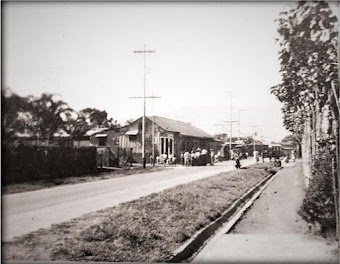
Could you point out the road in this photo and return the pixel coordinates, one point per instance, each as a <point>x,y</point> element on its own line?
<point>30,211</point>
<point>272,231</point>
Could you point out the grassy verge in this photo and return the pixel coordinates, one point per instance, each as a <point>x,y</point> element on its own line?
<point>49,183</point>
<point>149,229</point>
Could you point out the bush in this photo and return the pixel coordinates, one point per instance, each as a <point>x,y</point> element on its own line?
<point>318,204</point>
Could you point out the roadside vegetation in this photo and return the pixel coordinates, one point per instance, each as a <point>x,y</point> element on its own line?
<point>50,183</point>
<point>309,91</point>
<point>149,229</point>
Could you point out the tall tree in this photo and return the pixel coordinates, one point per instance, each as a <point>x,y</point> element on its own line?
<point>308,39</point>
<point>308,55</point>
<point>96,118</point>
<point>49,113</point>
<point>15,114</point>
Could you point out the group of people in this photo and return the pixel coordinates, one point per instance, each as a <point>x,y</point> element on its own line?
<point>165,159</point>
<point>198,157</point>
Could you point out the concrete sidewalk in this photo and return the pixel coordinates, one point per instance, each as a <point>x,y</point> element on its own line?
<point>272,231</point>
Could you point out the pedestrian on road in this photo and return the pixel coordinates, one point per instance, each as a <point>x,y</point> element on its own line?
<point>237,162</point>
<point>182,158</point>
<point>165,158</point>
<point>256,156</point>
<point>212,155</point>
<point>192,158</point>
<point>197,157</point>
<point>204,157</point>
<point>187,158</point>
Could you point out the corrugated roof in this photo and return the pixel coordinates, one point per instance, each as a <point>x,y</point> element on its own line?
<point>183,128</point>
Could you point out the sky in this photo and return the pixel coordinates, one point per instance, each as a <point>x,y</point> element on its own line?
<point>203,51</point>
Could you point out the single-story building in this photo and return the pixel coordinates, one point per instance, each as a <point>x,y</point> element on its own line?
<point>169,137</point>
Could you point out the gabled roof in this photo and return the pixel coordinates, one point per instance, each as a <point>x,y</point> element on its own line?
<point>183,128</point>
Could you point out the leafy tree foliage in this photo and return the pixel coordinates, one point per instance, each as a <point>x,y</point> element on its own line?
<point>14,114</point>
<point>308,54</point>
<point>48,113</point>
<point>96,118</point>
<point>44,116</point>
<point>308,41</point>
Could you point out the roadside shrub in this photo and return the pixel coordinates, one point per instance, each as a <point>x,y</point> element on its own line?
<point>318,204</point>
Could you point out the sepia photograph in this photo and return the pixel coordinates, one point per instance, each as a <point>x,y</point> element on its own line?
<point>170,131</point>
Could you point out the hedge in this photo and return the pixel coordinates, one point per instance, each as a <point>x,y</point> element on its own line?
<point>318,205</point>
<point>29,163</point>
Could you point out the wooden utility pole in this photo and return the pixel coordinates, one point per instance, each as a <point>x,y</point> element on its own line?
<point>230,94</point>
<point>254,137</point>
<point>153,124</point>
<point>239,122</point>
<point>144,51</point>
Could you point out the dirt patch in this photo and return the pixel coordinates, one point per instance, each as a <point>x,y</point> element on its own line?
<point>148,229</point>
<point>45,184</point>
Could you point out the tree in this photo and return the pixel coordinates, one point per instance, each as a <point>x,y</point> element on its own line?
<point>15,112</point>
<point>308,41</point>
<point>89,118</point>
<point>129,122</point>
<point>48,114</point>
<point>97,118</point>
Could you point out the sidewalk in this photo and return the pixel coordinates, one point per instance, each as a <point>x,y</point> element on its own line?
<point>272,231</point>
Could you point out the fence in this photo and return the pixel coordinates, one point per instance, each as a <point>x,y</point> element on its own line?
<point>29,163</point>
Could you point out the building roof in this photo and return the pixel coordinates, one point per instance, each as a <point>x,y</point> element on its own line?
<point>91,132</point>
<point>185,129</point>
<point>132,132</point>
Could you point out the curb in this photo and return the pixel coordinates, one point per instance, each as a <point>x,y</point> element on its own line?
<point>189,248</point>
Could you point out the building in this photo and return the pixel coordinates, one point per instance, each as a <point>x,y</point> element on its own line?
<point>168,136</point>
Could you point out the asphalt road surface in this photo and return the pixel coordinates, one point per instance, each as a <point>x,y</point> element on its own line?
<point>30,211</point>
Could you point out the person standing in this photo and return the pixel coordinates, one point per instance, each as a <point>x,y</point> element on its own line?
<point>186,158</point>
<point>256,156</point>
<point>182,158</point>
<point>192,158</point>
<point>212,157</point>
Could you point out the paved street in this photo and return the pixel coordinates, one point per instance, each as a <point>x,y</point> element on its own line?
<point>30,211</point>
<point>272,231</point>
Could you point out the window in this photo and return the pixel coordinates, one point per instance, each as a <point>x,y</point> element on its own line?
<point>102,141</point>
<point>132,137</point>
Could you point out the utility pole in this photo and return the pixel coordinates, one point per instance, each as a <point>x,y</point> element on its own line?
<point>254,137</point>
<point>143,130</point>
<point>230,94</point>
<point>144,51</point>
<point>239,122</point>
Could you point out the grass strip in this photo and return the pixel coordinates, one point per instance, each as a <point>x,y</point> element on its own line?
<point>149,229</point>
